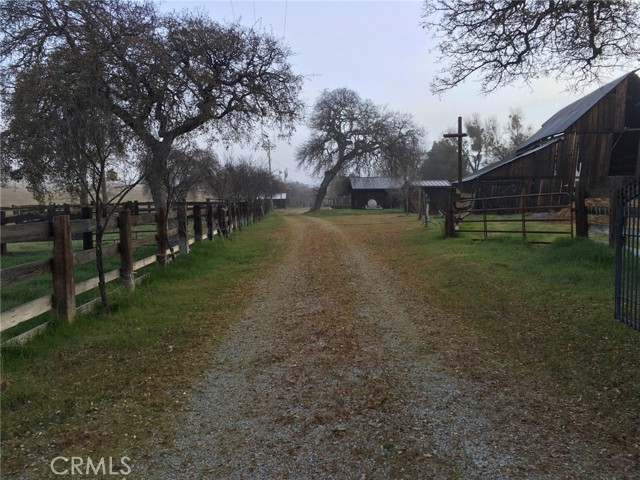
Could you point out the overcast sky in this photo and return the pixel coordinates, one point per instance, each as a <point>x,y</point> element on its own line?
<point>378,49</point>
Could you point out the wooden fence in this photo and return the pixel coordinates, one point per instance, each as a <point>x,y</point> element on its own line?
<point>170,237</point>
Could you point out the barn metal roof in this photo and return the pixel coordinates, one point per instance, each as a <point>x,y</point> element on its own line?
<point>570,114</point>
<point>430,183</point>
<point>375,183</point>
<point>493,166</point>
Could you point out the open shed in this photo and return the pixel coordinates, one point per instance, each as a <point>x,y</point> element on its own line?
<point>436,190</point>
<point>386,191</point>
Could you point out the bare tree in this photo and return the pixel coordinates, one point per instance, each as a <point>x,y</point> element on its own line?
<point>441,161</point>
<point>166,77</point>
<point>61,133</point>
<point>503,41</point>
<point>349,133</point>
<point>242,179</point>
<point>491,141</point>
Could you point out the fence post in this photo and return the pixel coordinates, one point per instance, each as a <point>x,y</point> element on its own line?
<point>87,237</point>
<point>523,210</point>
<point>582,221</point>
<point>183,235</point>
<point>222,228</point>
<point>162,240</point>
<point>126,250</point>
<point>197,222</point>
<point>449,219</point>
<point>210,221</point>
<point>3,221</point>
<point>64,293</point>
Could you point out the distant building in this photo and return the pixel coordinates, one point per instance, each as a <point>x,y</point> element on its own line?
<point>279,200</point>
<point>387,192</point>
<point>437,192</point>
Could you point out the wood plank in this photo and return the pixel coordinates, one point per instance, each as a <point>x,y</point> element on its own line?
<point>24,312</point>
<point>87,307</point>
<point>144,262</point>
<point>26,232</point>
<point>146,240</point>
<point>88,256</point>
<point>83,226</point>
<point>143,219</point>
<point>93,282</point>
<point>24,272</point>
<point>28,335</point>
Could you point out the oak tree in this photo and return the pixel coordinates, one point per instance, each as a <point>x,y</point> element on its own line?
<point>166,76</point>
<point>507,41</point>
<point>351,134</point>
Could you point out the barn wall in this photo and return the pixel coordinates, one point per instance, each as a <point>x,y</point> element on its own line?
<point>360,198</point>
<point>601,147</point>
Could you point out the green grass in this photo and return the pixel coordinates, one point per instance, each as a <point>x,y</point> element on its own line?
<point>548,308</point>
<point>331,212</point>
<point>84,386</point>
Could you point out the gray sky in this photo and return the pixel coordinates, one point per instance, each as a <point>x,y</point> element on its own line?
<point>378,49</point>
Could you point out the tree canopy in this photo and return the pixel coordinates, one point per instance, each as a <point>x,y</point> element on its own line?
<point>165,76</point>
<point>349,133</point>
<point>503,41</point>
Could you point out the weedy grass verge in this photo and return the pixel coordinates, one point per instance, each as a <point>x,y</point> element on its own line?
<point>106,384</point>
<point>522,316</point>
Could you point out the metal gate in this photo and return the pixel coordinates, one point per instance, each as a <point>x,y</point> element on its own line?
<point>627,287</point>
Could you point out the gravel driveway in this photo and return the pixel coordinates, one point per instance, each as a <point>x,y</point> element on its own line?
<point>328,374</point>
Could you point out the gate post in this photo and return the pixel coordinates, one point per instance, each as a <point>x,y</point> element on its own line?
<point>582,222</point>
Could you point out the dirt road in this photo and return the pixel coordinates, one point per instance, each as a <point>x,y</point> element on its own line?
<point>328,374</point>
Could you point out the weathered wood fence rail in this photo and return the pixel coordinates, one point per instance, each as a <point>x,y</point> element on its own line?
<point>171,236</point>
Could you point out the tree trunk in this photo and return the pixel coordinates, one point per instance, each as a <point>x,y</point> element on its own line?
<point>160,152</point>
<point>322,190</point>
<point>154,169</point>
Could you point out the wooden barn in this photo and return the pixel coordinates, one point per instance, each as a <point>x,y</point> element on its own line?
<point>436,190</point>
<point>387,192</point>
<point>594,141</point>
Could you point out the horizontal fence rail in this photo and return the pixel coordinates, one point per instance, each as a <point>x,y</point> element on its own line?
<point>189,223</point>
<point>522,211</point>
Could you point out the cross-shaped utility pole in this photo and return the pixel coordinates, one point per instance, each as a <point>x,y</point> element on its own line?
<point>459,136</point>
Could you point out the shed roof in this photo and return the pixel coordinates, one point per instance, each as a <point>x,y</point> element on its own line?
<point>279,196</point>
<point>493,166</point>
<point>430,183</point>
<point>570,114</point>
<point>375,183</point>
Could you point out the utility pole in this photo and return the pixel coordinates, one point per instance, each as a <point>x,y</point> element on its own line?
<point>459,136</point>
<point>267,146</point>
<point>450,219</point>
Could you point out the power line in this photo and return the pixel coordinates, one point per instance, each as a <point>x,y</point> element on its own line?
<point>284,31</point>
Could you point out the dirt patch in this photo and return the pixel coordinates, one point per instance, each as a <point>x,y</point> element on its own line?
<point>331,372</point>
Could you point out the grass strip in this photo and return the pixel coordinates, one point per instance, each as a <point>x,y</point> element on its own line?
<point>106,384</point>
